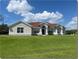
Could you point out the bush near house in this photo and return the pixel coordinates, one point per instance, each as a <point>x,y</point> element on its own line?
<point>35,47</point>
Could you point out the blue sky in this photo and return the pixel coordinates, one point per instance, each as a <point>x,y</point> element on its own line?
<point>68,8</point>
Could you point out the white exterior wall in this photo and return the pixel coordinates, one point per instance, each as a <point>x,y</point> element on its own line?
<point>27,30</point>
<point>46,30</point>
<point>40,32</point>
<point>62,31</point>
<point>55,32</point>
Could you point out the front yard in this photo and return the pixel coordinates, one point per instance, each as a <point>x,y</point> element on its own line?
<point>38,47</point>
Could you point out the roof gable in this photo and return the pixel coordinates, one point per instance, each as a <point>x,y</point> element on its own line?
<point>19,23</point>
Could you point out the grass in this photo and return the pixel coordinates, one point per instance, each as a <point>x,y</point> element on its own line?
<point>38,46</point>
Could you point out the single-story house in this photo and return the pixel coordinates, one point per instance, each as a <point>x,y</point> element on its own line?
<point>35,28</point>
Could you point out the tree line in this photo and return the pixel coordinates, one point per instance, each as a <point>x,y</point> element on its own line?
<point>4,29</point>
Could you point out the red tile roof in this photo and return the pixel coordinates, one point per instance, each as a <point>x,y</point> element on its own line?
<point>38,24</point>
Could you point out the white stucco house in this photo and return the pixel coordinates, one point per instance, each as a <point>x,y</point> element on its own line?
<point>35,28</point>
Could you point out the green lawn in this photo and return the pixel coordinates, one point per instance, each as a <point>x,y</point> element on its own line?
<point>38,46</point>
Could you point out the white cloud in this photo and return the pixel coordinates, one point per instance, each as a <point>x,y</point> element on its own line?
<point>50,17</point>
<point>19,6</point>
<point>72,24</point>
<point>55,17</point>
<point>24,8</point>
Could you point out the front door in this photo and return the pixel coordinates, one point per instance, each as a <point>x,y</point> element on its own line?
<point>43,30</point>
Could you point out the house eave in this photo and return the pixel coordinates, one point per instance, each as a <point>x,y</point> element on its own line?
<point>18,23</point>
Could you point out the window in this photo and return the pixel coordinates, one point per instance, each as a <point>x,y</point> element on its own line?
<point>20,30</point>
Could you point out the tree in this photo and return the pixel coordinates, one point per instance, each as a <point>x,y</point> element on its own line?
<point>71,32</point>
<point>3,27</point>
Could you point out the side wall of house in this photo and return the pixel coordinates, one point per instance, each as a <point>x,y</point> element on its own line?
<point>59,31</point>
<point>27,30</point>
